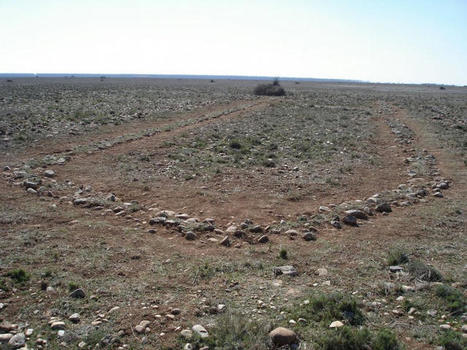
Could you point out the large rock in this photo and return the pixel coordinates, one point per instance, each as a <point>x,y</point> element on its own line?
<point>285,270</point>
<point>283,336</point>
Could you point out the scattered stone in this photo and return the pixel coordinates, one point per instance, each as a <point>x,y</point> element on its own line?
<point>445,327</point>
<point>383,208</point>
<point>186,333</point>
<point>190,236</point>
<point>188,346</point>
<point>200,330</point>
<point>158,220</point>
<point>80,201</point>
<point>7,326</point>
<point>256,229</point>
<point>5,337</point>
<point>283,336</point>
<point>263,239</point>
<point>395,269</point>
<point>78,294</point>
<point>336,324</point>
<point>29,332</point>
<point>31,190</point>
<point>291,233</point>
<point>309,236</point>
<point>81,344</point>
<point>443,185</point>
<point>438,195</point>
<point>75,318</point>
<point>350,220</point>
<point>464,328</point>
<point>61,333</point>
<point>49,173</point>
<point>321,272</point>
<point>336,224</point>
<point>407,289</point>
<point>431,313</point>
<point>51,290</point>
<point>285,270</point>
<point>323,208</point>
<point>142,326</point>
<point>17,341</point>
<point>57,325</point>
<point>225,241</point>
<point>231,229</point>
<point>359,214</point>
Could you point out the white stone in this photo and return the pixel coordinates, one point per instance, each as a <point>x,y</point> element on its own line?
<point>336,324</point>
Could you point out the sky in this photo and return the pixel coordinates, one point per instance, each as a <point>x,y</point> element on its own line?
<point>410,41</point>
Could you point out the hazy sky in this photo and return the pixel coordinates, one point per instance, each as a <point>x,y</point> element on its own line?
<point>376,40</point>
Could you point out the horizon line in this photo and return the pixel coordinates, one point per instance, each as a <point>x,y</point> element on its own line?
<point>206,77</point>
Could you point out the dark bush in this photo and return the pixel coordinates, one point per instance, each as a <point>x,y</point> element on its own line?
<point>348,338</point>
<point>451,340</point>
<point>454,299</point>
<point>273,89</point>
<point>326,308</point>
<point>283,254</point>
<point>345,338</point>
<point>397,256</point>
<point>18,276</point>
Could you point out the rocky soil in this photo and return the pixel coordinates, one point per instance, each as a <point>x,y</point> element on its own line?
<point>169,214</point>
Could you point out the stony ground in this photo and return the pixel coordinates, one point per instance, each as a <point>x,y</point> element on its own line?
<point>148,214</point>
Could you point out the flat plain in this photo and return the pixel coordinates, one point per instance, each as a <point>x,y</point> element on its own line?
<point>132,210</point>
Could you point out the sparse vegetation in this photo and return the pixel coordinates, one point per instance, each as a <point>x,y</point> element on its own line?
<point>19,276</point>
<point>283,254</point>
<point>328,308</point>
<point>137,164</point>
<point>424,272</point>
<point>397,256</point>
<point>454,299</point>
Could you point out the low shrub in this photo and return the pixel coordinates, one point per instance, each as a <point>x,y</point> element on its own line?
<point>234,331</point>
<point>451,340</point>
<point>18,276</point>
<point>72,286</point>
<point>397,256</point>
<point>386,340</point>
<point>348,338</point>
<point>283,254</point>
<point>424,272</point>
<point>453,298</point>
<point>345,338</point>
<point>330,307</point>
<point>273,89</point>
